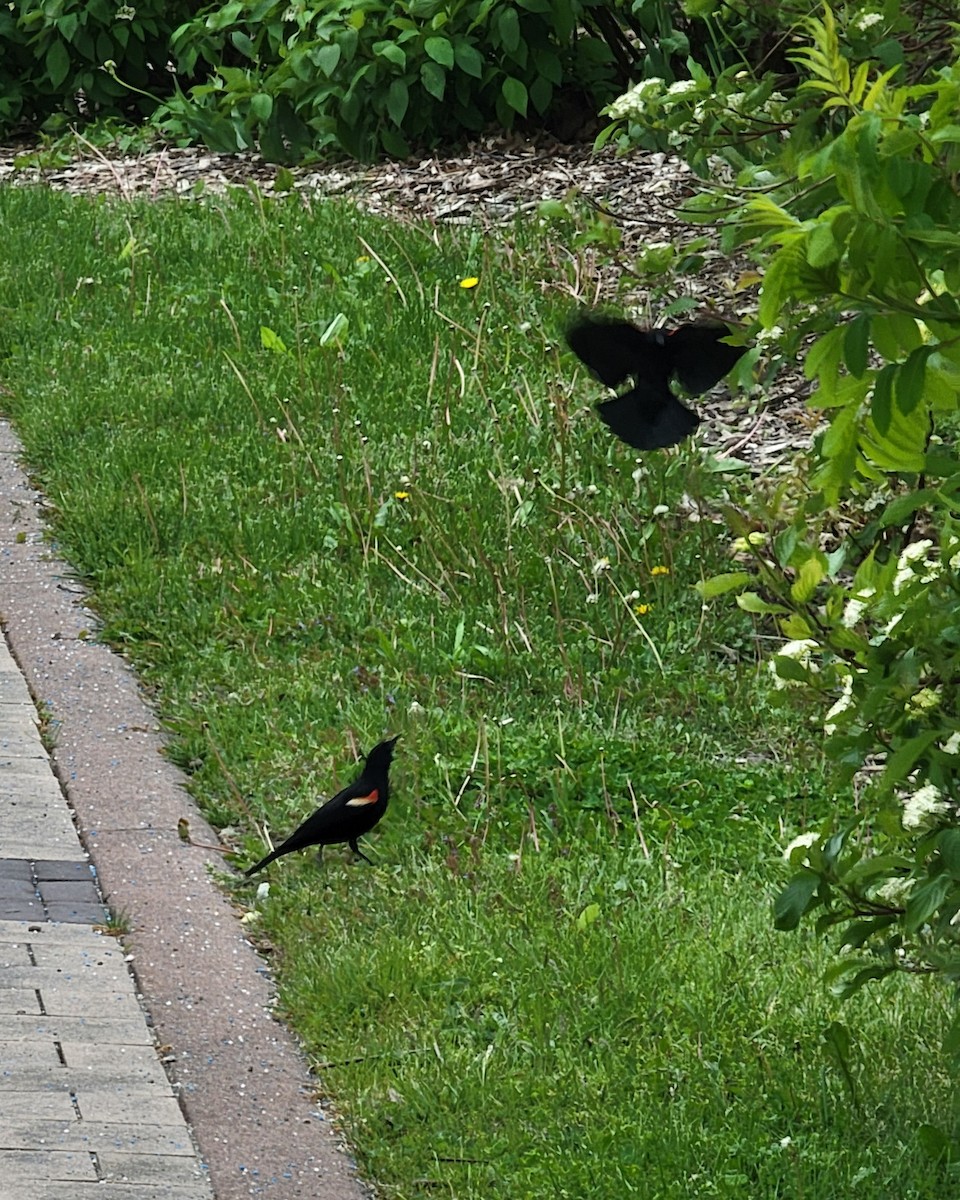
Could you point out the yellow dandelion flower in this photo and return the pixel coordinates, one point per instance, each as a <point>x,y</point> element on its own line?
<point>642,609</point>
<point>661,570</point>
<point>362,258</point>
<point>471,281</point>
<point>401,495</point>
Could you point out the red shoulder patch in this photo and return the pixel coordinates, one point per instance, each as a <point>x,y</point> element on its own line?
<point>360,801</point>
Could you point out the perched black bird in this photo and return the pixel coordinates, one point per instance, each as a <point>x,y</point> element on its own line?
<point>349,815</point>
<point>649,416</point>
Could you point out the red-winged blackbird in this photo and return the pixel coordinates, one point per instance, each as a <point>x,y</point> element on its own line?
<point>649,416</point>
<point>349,815</point>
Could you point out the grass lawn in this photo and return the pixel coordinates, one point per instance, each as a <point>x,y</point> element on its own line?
<point>323,493</point>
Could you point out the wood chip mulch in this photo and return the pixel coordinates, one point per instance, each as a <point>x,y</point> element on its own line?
<point>490,183</point>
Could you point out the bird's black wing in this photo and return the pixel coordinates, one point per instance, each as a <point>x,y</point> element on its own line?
<point>614,349</point>
<point>648,417</point>
<point>698,357</point>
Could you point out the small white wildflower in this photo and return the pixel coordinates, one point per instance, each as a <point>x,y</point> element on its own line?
<point>867,20</point>
<point>263,891</point>
<point>892,624</point>
<point>926,700</point>
<point>682,87</point>
<point>914,551</point>
<point>952,744</point>
<point>804,840</point>
<point>601,565</point>
<point>591,489</point>
<point>895,891</point>
<point>593,598</point>
<point>660,510</point>
<point>853,612</point>
<point>925,808</point>
<point>799,650</point>
<point>637,475</point>
<point>631,596</point>
<point>773,334</point>
<point>785,1142</point>
<point>840,706</point>
<point>248,918</point>
<point>415,709</point>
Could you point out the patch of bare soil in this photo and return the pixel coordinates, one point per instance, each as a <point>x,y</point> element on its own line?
<point>491,183</point>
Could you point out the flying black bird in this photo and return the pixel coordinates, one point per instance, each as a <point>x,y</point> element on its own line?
<point>649,416</point>
<point>349,815</point>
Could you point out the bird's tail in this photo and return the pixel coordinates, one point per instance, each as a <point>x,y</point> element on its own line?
<point>264,862</point>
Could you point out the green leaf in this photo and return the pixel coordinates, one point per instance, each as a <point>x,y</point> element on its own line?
<point>948,843</point>
<point>271,341</point>
<point>902,761</point>
<point>856,344</point>
<point>335,330</point>
<point>809,577</point>
<point>57,63</point>
<point>881,403</point>
<point>398,98</point>
<point>752,603</point>
<point>327,58</point>
<point>508,28</point>
<point>849,975</point>
<point>440,50</point>
<point>924,901</point>
<point>910,377</point>
<point>795,900</point>
<point>716,585</point>
<point>821,247</point>
<point>588,916</point>
<point>434,79</point>
<point>515,94</point>
<point>261,105</point>
<point>392,53</point>
<point>468,58</point>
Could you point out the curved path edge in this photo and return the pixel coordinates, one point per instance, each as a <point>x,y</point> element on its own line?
<point>243,1083</point>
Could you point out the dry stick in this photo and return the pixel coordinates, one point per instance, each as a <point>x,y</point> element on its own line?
<point>386,270</point>
<point>138,484</point>
<point>97,153</point>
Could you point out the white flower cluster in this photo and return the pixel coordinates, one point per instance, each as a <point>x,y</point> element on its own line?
<point>804,841</point>
<point>841,705</point>
<point>800,651</point>
<point>925,809</point>
<point>632,103</point>
<point>916,558</point>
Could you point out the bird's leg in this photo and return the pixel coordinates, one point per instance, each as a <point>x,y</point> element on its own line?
<point>356,849</point>
<point>320,857</point>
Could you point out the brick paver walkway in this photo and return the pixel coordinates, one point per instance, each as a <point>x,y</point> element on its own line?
<point>86,1108</point>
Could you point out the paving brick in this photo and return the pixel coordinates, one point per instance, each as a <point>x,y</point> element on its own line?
<point>17,1000</point>
<point>15,868</point>
<point>115,1191</point>
<point>52,935</point>
<point>13,954</point>
<point>70,891</point>
<point>16,889</point>
<point>27,1056</point>
<point>72,1000</point>
<point>25,1133</point>
<point>45,1106</point>
<point>82,914</point>
<point>22,909</point>
<point>23,1168</point>
<point>104,953</point>
<point>127,1062</point>
<point>117,1103</point>
<point>63,871</point>
<point>120,1167</point>
<point>102,1031</point>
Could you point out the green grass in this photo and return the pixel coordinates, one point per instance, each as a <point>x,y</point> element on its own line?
<point>560,978</point>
